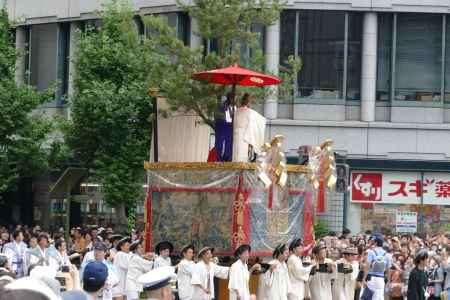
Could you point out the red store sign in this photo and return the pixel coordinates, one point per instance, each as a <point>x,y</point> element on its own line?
<point>400,187</point>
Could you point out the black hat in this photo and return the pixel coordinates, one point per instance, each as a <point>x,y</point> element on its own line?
<point>163,246</point>
<point>241,249</point>
<point>279,250</point>
<point>116,237</point>
<point>318,247</point>
<point>203,251</point>
<point>135,245</point>
<point>122,242</point>
<point>100,246</point>
<point>295,243</point>
<point>350,251</point>
<point>186,248</point>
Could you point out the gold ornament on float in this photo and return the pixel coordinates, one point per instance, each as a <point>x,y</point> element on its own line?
<point>271,167</point>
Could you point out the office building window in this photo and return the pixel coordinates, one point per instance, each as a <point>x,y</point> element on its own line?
<point>354,50</point>
<point>43,55</point>
<point>63,62</point>
<point>180,22</point>
<point>384,57</point>
<point>288,30</point>
<point>321,46</point>
<point>418,57</point>
<point>447,61</point>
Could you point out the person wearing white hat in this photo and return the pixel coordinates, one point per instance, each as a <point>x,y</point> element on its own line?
<point>28,288</point>
<point>185,270</point>
<point>15,251</point>
<point>277,277</point>
<point>203,276</point>
<point>157,282</point>
<point>140,263</point>
<point>298,274</point>
<point>240,275</point>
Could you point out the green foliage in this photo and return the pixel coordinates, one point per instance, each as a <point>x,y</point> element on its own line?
<point>110,130</point>
<point>228,22</point>
<point>22,135</point>
<point>320,230</point>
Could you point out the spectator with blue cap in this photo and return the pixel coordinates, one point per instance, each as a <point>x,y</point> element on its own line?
<point>157,282</point>
<point>112,279</point>
<point>94,278</point>
<point>378,262</point>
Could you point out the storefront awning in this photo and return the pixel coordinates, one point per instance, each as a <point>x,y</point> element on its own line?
<point>65,183</point>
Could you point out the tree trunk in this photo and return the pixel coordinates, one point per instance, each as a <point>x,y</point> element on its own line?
<point>121,221</point>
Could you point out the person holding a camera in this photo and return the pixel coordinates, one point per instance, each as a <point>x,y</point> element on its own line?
<point>323,273</point>
<point>344,285</point>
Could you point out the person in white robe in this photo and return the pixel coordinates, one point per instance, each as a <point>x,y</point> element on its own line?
<point>184,274</point>
<point>298,274</point>
<point>238,283</point>
<point>248,131</point>
<point>203,276</point>
<point>322,274</point>
<point>59,258</point>
<point>277,277</point>
<point>112,280</point>
<point>163,251</point>
<point>139,264</point>
<point>16,251</point>
<point>121,262</point>
<point>347,271</point>
<point>41,254</point>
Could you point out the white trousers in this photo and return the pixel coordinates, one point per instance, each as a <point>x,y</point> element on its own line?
<point>376,285</point>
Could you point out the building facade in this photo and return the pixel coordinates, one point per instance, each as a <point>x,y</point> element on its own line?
<point>375,79</point>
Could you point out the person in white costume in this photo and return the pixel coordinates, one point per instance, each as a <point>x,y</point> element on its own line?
<point>59,258</point>
<point>298,274</point>
<point>157,283</point>
<point>184,274</point>
<point>347,271</point>
<point>240,275</point>
<point>277,277</point>
<point>163,251</point>
<point>16,251</point>
<point>203,276</point>
<point>322,274</point>
<point>121,262</point>
<point>140,263</point>
<point>248,131</point>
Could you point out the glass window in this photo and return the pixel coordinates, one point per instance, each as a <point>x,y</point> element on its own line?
<point>321,46</point>
<point>63,62</point>
<point>447,61</point>
<point>43,55</point>
<point>287,35</point>
<point>354,56</point>
<point>181,23</point>
<point>384,55</point>
<point>418,57</point>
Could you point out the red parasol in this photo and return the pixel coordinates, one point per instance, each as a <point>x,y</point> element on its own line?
<point>236,75</point>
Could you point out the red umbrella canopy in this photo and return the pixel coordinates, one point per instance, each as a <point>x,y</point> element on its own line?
<point>236,75</point>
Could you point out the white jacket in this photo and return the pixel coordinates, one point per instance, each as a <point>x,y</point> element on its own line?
<point>184,277</point>
<point>137,266</point>
<point>200,276</point>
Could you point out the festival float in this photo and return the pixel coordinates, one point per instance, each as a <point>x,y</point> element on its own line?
<point>255,199</point>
